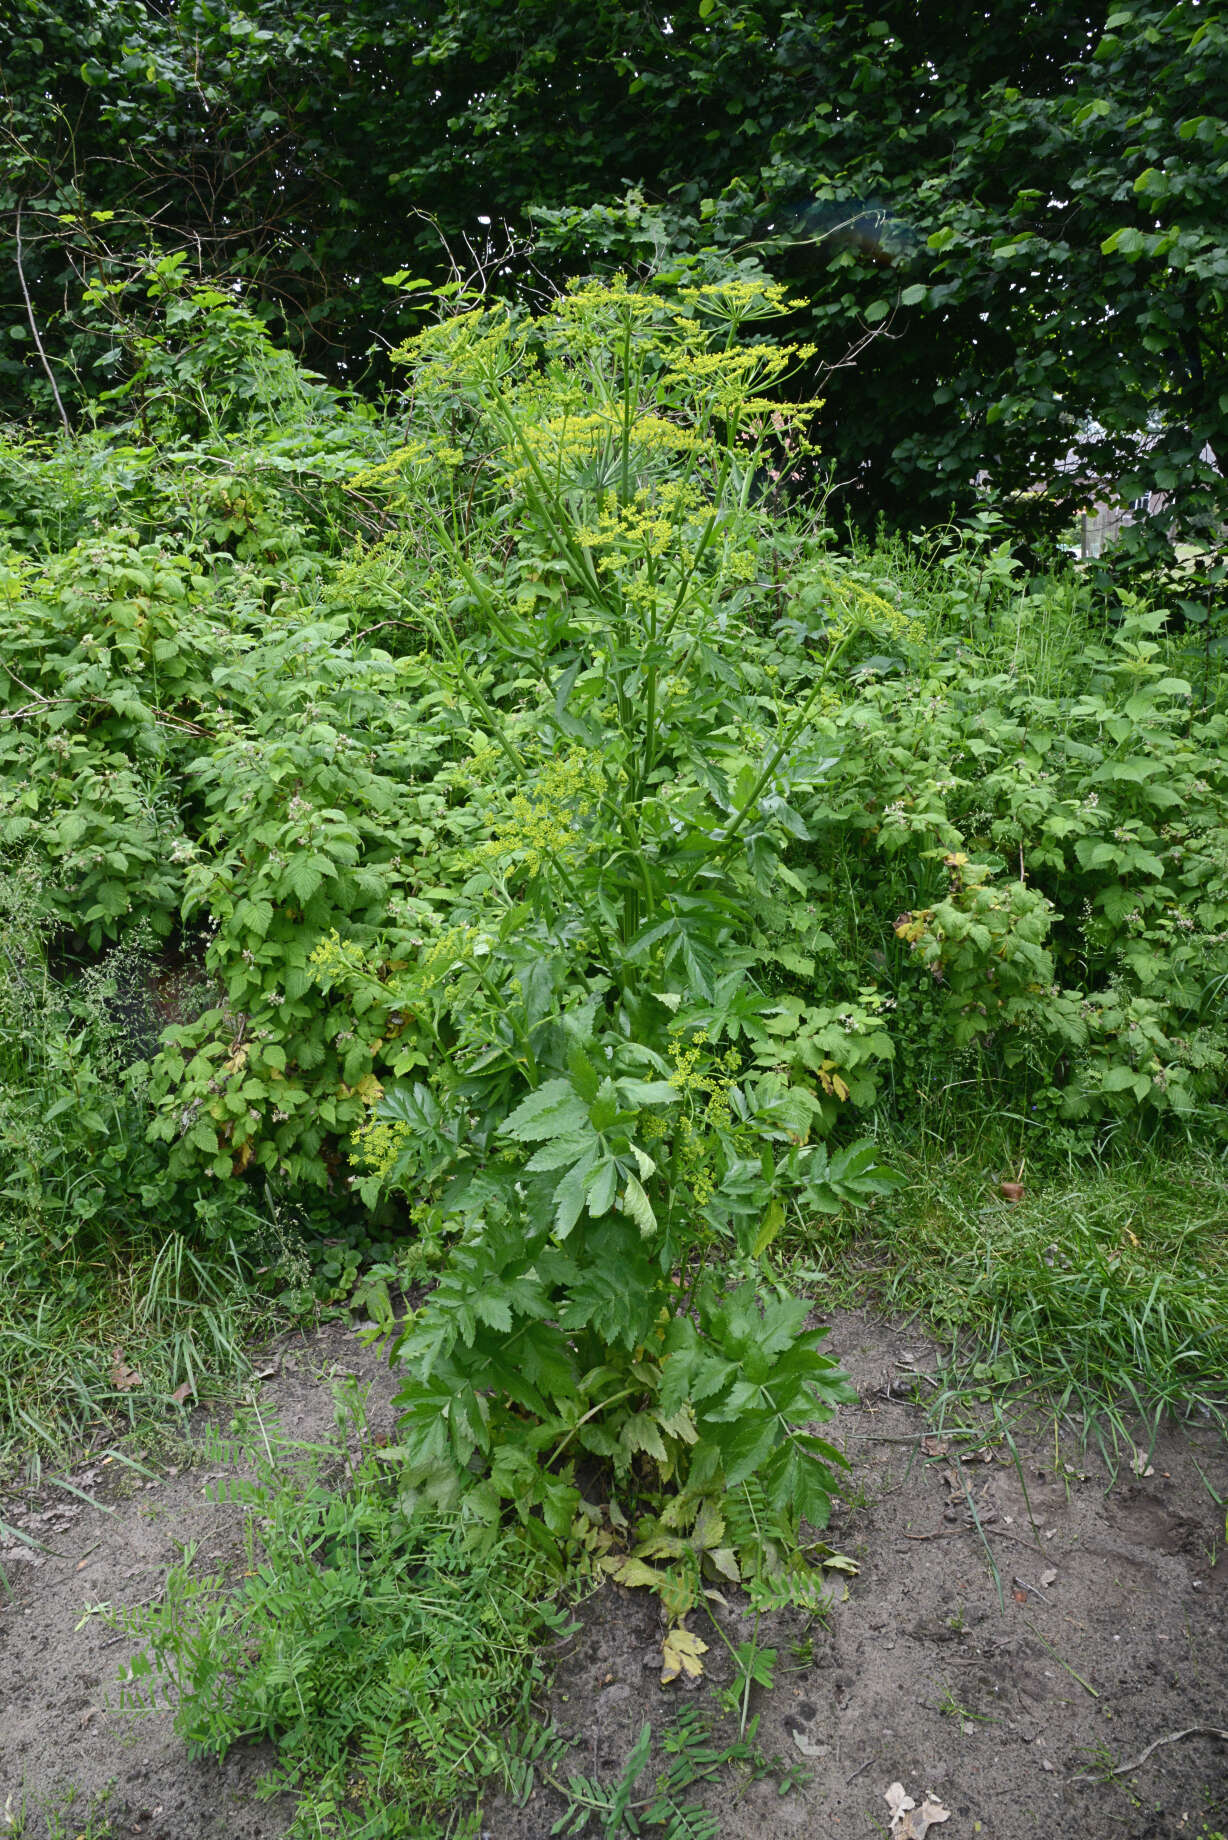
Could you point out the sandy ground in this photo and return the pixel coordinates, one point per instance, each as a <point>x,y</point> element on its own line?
<point>1108,1633</point>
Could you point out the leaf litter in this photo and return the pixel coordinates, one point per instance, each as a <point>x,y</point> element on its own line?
<point>908,1822</point>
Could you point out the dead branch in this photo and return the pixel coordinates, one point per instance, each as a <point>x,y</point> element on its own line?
<point>1172,1737</point>
<point>34,333</point>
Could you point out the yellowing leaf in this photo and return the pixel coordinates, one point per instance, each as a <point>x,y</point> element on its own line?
<point>633,1573</point>
<point>678,1592</point>
<point>237,1060</point>
<point>592,1535</point>
<point>838,1563</point>
<point>369,1089</point>
<point>724,1560</point>
<point>635,1202</point>
<point>681,1653</point>
<point>709,1525</point>
<point>773,1221</point>
<point>661,1545</point>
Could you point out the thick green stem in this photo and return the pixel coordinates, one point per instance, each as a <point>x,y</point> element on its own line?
<point>521,1034</point>
<point>601,1405</point>
<point>452,648</point>
<point>775,759</point>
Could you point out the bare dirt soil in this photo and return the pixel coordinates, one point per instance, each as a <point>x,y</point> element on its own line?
<point>1020,1693</point>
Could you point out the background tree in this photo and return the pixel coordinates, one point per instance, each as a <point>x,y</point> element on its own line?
<point>1021,202</point>
<point>1056,280</point>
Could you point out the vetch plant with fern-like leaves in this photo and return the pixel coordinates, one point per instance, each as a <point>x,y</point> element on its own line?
<point>392,1667</point>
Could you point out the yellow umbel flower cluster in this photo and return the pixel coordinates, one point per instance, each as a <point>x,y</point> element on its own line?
<point>647,527</point>
<point>377,1145</point>
<point>698,1077</point>
<point>336,959</point>
<point>563,448</point>
<point>854,605</point>
<point>548,821</point>
<point>482,345</point>
<point>741,298</point>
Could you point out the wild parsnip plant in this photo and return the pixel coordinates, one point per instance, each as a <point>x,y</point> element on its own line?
<point>591,1119</point>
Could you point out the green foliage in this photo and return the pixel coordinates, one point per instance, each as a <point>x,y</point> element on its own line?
<point>1101,1295</point>
<point>121,1288</point>
<point>64,1815</point>
<point>518,862</point>
<point>203,364</point>
<point>690,1754</point>
<point>1048,855</point>
<point>1119,116</point>
<point>392,1666</point>
<point>535,805</point>
<point>73,1155</point>
<point>899,174</point>
<point>507,814</point>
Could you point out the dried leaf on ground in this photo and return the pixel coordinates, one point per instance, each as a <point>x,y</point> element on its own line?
<point>724,1560</point>
<point>183,1392</point>
<point>681,1653</point>
<point>807,1746</point>
<point>123,1377</point>
<point>840,1562</point>
<point>908,1822</point>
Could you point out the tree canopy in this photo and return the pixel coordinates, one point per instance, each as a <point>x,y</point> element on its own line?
<point>1001,226</point>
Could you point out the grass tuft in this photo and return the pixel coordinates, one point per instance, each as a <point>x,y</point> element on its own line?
<point>1103,1294</point>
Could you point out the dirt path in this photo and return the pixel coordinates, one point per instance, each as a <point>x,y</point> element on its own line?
<point>1109,1634</point>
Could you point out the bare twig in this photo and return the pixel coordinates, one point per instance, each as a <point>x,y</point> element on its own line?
<point>1172,1737</point>
<point>34,333</point>
<point>1000,1533</point>
<point>180,724</point>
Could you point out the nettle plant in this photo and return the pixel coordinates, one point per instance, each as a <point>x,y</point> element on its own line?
<point>581,1102</point>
